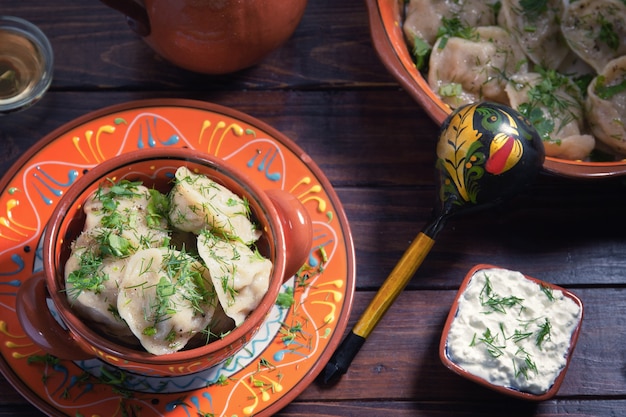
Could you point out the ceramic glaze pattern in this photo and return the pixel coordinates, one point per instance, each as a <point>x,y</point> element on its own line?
<point>272,366</point>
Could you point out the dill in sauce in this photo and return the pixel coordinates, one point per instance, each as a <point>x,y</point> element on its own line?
<point>512,331</point>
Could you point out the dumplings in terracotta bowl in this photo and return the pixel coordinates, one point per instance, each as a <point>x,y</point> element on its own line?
<point>163,261</point>
<point>555,62</point>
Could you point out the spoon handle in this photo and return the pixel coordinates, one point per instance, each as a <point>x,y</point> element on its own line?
<point>385,296</point>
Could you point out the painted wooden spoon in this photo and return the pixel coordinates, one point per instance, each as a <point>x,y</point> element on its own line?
<point>486,153</point>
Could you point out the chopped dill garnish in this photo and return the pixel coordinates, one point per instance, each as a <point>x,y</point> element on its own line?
<point>532,9</point>
<point>122,189</point>
<point>606,92</point>
<point>285,299</point>
<point>547,291</point>
<point>158,207</point>
<point>546,103</point>
<point>181,278</point>
<point>544,333</point>
<point>496,303</point>
<point>421,52</point>
<point>88,277</point>
<point>450,90</point>
<point>607,33</point>
<point>527,365</point>
<point>290,333</point>
<point>454,28</point>
<point>491,341</point>
<point>114,244</point>
<point>518,335</point>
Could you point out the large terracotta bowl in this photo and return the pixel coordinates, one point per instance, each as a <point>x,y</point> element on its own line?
<point>386,17</point>
<point>286,241</point>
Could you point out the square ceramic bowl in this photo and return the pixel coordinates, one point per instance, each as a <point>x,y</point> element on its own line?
<point>511,333</point>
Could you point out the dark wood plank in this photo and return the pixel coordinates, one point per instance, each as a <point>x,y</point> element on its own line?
<point>414,375</point>
<point>94,49</point>
<point>509,408</point>
<point>400,358</point>
<point>327,90</point>
<point>561,408</point>
<point>331,127</point>
<point>569,237</point>
<point>388,189</point>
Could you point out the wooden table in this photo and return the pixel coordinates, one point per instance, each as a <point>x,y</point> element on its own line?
<point>327,90</point>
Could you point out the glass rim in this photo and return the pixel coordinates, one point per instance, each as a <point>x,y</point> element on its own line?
<point>34,34</point>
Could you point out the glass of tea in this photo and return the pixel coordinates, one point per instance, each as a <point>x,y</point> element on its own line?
<point>26,63</point>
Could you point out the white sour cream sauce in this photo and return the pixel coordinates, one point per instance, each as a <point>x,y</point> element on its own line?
<point>505,340</point>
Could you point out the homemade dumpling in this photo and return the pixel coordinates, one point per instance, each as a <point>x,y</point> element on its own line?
<point>132,276</point>
<point>166,297</point>
<point>424,17</point>
<point>536,30</point>
<point>464,71</point>
<point>554,104</point>
<point>240,275</point>
<point>126,215</point>
<point>596,30</point>
<point>606,105</point>
<point>121,218</point>
<point>576,146</point>
<point>575,67</point>
<point>92,285</point>
<point>197,203</point>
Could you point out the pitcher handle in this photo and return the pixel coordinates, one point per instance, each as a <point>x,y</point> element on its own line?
<point>136,15</point>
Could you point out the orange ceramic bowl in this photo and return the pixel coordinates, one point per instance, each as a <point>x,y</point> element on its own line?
<point>491,353</point>
<point>286,241</point>
<point>386,18</point>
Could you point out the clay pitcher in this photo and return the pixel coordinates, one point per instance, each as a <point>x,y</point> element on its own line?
<point>212,36</point>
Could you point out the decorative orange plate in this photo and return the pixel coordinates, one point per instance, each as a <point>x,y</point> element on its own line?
<point>283,358</point>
